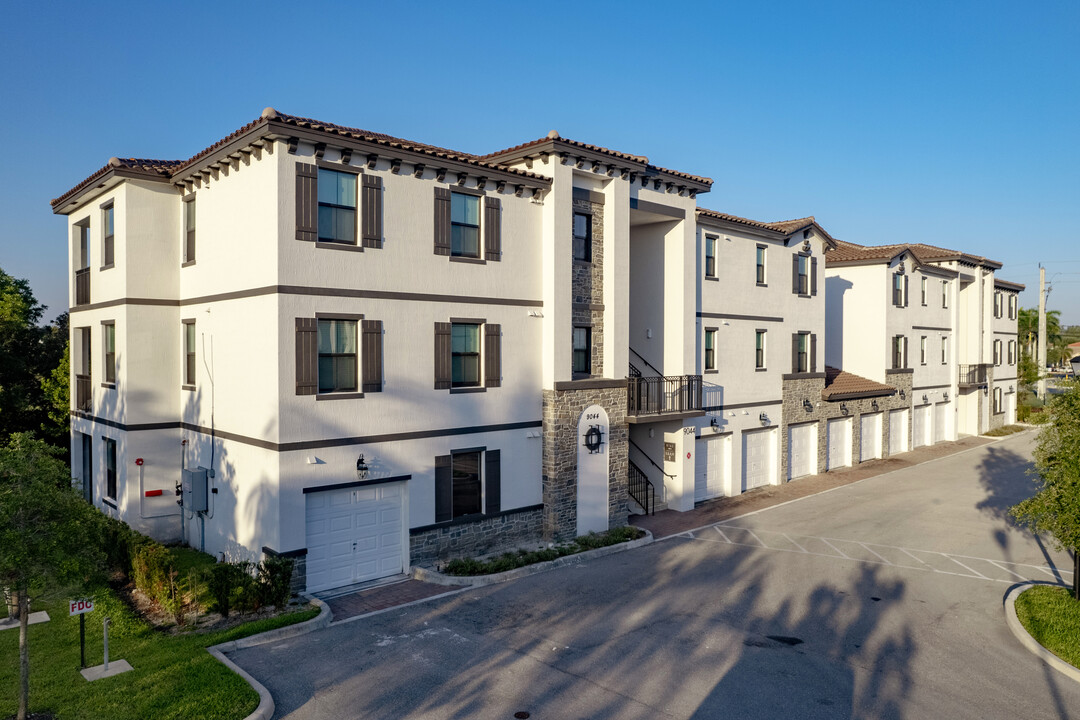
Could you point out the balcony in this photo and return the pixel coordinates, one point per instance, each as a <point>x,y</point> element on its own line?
<point>649,399</point>
<point>82,286</point>
<point>973,375</point>
<point>84,398</point>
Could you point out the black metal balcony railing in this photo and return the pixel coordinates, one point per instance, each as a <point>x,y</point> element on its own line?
<point>83,397</point>
<point>973,374</point>
<point>82,286</point>
<point>663,395</point>
<point>641,490</point>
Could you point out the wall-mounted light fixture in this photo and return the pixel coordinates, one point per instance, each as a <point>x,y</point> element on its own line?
<point>903,396</point>
<point>986,389</point>
<point>843,409</point>
<point>925,398</point>
<point>763,418</point>
<point>714,423</point>
<point>807,405</point>
<point>361,468</point>
<point>873,405</point>
<point>945,396</point>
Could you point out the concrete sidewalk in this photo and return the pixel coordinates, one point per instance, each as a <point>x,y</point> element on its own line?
<point>670,522</point>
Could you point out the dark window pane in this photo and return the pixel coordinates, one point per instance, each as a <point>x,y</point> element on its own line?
<point>466,479</point>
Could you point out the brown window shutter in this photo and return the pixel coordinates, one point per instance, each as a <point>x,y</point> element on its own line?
<point>492,355</point>
<point>493,481</point>
<point>443,370</point>
<point>492,228</point>
<point>372,212</point>
<point>813,352</point>
<point>307,202</point>
<point>794,352</point>
<point>372,351</point>
<point>442,221</point>
<point>905,291</point>
<point>813,276</point>
<point>307,356</point>
<point>444,488</point>
<point>795,274</point>
<point>904,341</point>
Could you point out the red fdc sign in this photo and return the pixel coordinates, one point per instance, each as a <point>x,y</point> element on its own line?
<point>78,607</point>
<point>153,493</point>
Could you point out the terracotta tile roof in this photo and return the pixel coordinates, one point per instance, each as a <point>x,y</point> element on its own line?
<point>641,159</point>
<point>784,227</point>
<point>843,385</point>
<point>851,252</point>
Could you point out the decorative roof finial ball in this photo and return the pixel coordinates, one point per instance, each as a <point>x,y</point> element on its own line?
<point>553,134</point>
<point>114,162</point>
<point>269,113</point>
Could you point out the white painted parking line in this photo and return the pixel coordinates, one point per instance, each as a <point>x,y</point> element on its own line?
<point>793,542</point>
<point>842,554</point>
<point>872,551</point>
<point>726,538</point>
<point>965,566</point>
<point>998,565</point>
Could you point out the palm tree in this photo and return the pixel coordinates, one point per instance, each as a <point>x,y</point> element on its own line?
<point>1027,328</point>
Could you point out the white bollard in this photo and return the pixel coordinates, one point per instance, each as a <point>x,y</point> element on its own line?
<point>107,620</point>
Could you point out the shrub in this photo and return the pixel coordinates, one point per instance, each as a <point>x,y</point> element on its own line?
<point>151,570</point>
<point>223,579</point>
<point>275,580</point>
<point>511,561</point>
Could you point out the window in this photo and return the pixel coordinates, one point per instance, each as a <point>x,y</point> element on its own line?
<point>760,264</point>
<point>944,349</point>
<point>468,483</point>
<point>582,350</point>
<point>189,353</point>
<point>710,256</point>
<point>1012,352</point>
<point>997,352</point>
<point>710,349</point>
<point>110,468</point>
<point>999,304</point>
<point>465,225</point>
<point>759,350</point>
<point>337,356</point>
<point>465,355</point>
<point>997,401</point>
<point>189,229</point>
<point>922,283</point>
<point>900,290</point>
<point>108,342</point>
<point>82,258</point>
<point>922,350</point>
<point>81,357</point>
<point>944,293</point>
<point>800,362</point>
<point>802,275</point>
<point>899,352</point>
<point>1012,307</point>
<point>337,207</point>
<point>583,237</point>
<point>108,234</point>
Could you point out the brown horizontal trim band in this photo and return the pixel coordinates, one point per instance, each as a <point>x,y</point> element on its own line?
<point>300,552</point>
<point>728,316</point>
<point>658,208</point>
<point>836,397</point>
<point>587,306</point>
<point>591,384</point>
<point>311,291</point>
<point>469,519</point>
<point>589,195</point>
<point>899,371</point>
<point>313,444</point>
<point>997,380</point>
<point>1005,332</point>
<point>931,387</point>
<point>737,406</point>
<point>357,483</point>
<point>928,327</point>
<point>803,376</point>
<point>723,433</point>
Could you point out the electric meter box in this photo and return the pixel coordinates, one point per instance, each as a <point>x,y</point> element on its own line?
<point>195,490</point>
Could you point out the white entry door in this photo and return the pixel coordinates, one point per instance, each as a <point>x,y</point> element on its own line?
<point>802,450</point>
<point>758,457</point>
<point>839,442</point>
<point>713,466</point>
<point>941,418</point>
<point>353,535</point>
<point>920,426</point>
<point>870,437</point>
<point>898,431</point>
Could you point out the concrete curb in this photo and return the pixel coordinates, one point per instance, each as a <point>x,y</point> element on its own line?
<point>265,710</point>
<point>1025,638</point>
<point>438,578</point>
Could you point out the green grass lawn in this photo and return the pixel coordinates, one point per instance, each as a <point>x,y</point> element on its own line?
<point>1053,618</point>
<point>1005,430</point>
<point>173,676</point>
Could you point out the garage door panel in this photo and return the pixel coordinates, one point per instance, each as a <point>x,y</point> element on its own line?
<point>898,421</point>
<point>713,466</point>
<point>869,437</point>
<point>839,442</point>
<point>802,450</point>
<point>940,422</point>
<point>757,458</point>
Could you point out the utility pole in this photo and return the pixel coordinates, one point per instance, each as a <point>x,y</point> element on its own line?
<point>1042,333</point>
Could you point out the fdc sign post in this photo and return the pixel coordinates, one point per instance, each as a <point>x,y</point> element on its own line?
<point>80,608</point>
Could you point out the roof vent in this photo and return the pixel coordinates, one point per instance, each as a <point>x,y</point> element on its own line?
<point>553,134</point>
<point>269,113</point>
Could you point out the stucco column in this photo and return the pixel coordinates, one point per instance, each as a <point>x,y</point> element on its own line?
<point>681,465</point>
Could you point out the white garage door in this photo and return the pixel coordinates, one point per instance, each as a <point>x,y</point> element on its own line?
<point>802,450</point>
<point>870,440</point>
<point>920,426</point>
<point>353,535</point>
<point>839,442</point>
<point>1010,408</point>
<point>759,449</point>
<point>898,431</point>
<point>713,466</point>
<point>940,422</point>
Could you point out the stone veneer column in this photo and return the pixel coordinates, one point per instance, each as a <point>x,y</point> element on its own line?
<point>562,410</point>
<point>587,285</point>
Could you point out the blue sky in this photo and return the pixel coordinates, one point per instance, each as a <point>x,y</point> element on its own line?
<point>953,124</point>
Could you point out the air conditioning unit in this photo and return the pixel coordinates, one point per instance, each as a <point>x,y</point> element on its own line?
<point>194,484</point>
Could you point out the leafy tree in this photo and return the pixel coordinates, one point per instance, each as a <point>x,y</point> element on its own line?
<point>57,389</point>
<point>1055,509</point>
<point>49,537</point>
